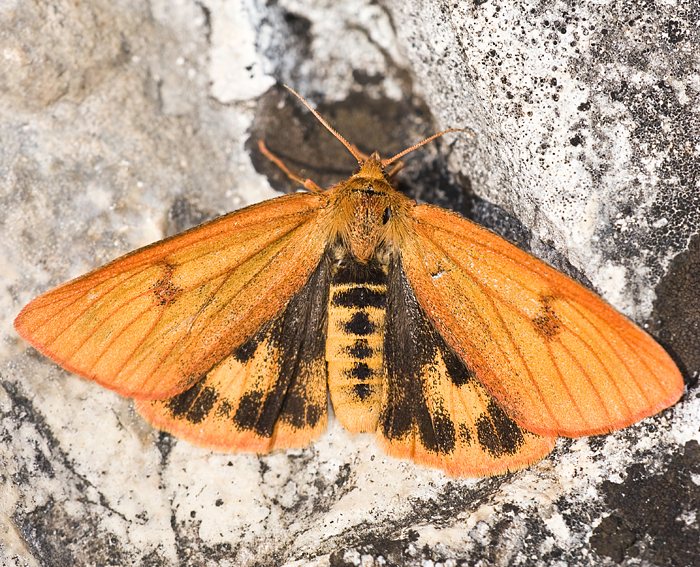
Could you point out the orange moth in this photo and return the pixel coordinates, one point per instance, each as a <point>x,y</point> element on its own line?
<point>457,349</point>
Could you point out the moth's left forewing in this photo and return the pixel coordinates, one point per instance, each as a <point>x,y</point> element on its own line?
<point>558,358</point>
<point>152,322</point>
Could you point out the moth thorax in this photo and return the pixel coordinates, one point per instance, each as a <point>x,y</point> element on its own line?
<point>355,344</point>
<point>370,212</point>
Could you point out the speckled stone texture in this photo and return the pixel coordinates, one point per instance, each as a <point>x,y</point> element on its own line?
<point>122,122</point>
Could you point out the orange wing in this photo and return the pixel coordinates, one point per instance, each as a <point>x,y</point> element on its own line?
<point>151,323</point>
<point>434,409</point>
<point>558,358</point>
<point>269,393</point>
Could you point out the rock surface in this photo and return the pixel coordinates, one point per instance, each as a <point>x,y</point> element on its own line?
<point>123,122</point>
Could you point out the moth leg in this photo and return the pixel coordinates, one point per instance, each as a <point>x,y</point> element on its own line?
<point>398,166</point>
<point>306,183</point>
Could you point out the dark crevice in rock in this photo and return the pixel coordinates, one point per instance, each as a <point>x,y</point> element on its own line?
<point>652,518</point>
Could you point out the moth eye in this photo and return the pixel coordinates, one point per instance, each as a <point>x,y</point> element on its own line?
<point>386,216</point>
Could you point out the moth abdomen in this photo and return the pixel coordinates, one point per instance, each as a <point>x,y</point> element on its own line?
<point>355,344</point>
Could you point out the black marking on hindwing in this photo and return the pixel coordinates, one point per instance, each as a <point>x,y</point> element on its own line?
<point>497,433</point>
<point>194,404</point>
<point>246,351</point>
<point>410,344</point>
<point>297,337</point>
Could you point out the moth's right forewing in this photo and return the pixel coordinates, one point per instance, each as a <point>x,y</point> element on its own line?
<point>149,324</point>
<point>558,358</point>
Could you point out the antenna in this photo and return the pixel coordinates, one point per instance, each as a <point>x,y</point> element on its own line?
<point>328,127</point>
<point>357,154</point>
<point>414,147</point>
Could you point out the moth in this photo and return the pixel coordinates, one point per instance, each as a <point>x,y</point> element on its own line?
<point>457,349</point>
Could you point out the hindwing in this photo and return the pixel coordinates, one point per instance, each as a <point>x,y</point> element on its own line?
<point>435,410</point>
<point>269,392</point>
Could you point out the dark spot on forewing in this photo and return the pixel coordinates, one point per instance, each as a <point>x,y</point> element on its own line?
<point>497,433</point>
<point>546,326</point>
<point>359,324</point>
<point>164,289</point>
<point>547,323</point>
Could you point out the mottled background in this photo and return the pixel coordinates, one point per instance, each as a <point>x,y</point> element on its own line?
<point>124,121</point>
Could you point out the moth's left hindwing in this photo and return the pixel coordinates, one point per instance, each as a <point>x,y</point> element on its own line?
<point>434,410</point>
<point>268,393</point>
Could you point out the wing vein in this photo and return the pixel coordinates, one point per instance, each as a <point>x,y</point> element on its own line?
<point>67,326</point>
<point>595,355</point>
<point>140,343</point>
<point>624,363</point>
<point>566,386</point>
<point>116,337</point>
<point>100,323</point>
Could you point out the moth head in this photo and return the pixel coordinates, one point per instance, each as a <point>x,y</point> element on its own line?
<point>366,210</point>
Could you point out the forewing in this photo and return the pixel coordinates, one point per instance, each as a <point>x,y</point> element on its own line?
<point>556,356</point>
<point>149,324</point>
<point>434,409</point>
<point>268,393</point>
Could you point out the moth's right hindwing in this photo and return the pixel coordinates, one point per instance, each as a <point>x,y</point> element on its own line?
<point>434,410</point>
